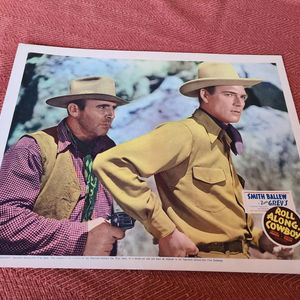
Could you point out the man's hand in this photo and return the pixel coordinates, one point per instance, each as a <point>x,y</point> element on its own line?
<point>177,244</point>
<point>278,251</point>
<point>101,237</point>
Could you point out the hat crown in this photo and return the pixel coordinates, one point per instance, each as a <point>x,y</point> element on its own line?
<point>93,85</point>
<point>215,74</point>
<point>217,70</point>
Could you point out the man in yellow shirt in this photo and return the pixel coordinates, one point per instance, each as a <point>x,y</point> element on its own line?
<point>201,210</point>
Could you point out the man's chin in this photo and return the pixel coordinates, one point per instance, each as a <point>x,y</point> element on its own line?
<point>103,132</point>
<point>235,119</point>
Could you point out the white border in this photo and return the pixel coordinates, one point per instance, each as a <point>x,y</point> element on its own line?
<point>153,263</point>
<point>148,263</point>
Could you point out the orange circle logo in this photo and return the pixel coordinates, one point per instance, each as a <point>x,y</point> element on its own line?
<point>282,226</point>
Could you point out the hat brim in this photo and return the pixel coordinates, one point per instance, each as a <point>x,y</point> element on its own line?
<point>63,101</point>
<point>192,87</point>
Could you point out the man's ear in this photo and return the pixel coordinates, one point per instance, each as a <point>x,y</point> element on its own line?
<point>204,95</point>
<point>73,110</point>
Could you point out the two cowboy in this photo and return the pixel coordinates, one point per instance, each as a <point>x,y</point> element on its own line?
<point>201,211</point>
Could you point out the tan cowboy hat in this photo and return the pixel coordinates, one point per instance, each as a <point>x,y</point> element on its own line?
<point>213,74</point>
<point>91,87</point>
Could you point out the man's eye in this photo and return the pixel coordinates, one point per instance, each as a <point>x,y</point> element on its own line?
<point>244,97</point>
<point>229,94</point>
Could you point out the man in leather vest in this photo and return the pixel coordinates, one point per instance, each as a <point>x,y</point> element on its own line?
<point>201,211</point>
<point>50,201</point>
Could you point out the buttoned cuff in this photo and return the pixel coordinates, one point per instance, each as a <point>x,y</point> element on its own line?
<point>161,225</point>
<point>77,238</point>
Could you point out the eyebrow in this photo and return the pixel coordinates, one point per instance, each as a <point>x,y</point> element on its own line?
<point>234,93</point>
<point>113,105</point>
<point>228,91</point>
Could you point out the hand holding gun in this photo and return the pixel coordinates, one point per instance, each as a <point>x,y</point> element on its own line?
<point>121,220</point>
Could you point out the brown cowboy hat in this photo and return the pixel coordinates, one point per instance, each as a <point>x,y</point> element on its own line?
<point>91,87</point>
<point>213,74</point>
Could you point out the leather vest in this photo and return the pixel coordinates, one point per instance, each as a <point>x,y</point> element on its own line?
<point>60,187</point>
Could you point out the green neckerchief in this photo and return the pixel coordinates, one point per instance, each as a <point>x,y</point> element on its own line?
<point>90,179</point>
<point>91,188</point>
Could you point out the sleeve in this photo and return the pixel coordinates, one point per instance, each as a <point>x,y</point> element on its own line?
<point>256,235</point>
<point>255,232</point>
<point>23,231</point>
<point>120,170</point>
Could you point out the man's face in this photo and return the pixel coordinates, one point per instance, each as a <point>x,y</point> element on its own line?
<point>226,103</point>
<point>95,119</point>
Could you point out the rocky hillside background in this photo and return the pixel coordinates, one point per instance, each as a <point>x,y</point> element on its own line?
<point>270,160</point>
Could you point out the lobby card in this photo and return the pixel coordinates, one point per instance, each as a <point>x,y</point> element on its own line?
<point>150,82</point>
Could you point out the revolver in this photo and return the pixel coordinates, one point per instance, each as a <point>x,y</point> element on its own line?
<point>121,220</point>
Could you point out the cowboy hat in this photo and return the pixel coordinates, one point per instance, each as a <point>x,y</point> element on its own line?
<point>213,74</point>
<point>91,87</point>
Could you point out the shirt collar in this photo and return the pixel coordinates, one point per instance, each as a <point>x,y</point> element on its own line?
<point>231,134</point>
<point>64,140</point>
<point>213,128</point>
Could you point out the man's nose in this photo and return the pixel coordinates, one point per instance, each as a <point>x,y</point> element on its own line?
<point>239,101</point>
<point>110,113</point>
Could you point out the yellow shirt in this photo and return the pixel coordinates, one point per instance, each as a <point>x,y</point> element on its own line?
<point>196,180</point>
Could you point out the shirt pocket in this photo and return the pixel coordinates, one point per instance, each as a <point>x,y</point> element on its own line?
<point>210,183</point>
<point>209,175</point>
